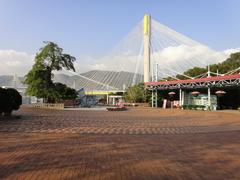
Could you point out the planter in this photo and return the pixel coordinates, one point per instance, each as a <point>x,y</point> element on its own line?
<point>117,109</point>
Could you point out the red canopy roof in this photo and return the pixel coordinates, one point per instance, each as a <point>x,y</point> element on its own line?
<point>215,78</point>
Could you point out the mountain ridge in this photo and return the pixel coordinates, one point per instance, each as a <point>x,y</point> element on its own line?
<point>91,80</point>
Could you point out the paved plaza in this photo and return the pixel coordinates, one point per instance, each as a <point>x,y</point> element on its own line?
<point>141,143</point>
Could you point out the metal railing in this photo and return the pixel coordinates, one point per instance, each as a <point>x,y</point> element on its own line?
<point>49,105</point>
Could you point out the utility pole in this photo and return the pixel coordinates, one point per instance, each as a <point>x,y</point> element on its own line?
<point>15,83</point>
<point>180,96</point>
<point>156,93</point>
<point>209,90</point>
<point>153,79</point>
<point>74,84</point>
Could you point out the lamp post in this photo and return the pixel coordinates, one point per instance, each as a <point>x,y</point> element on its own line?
<point>195,93</point>
<point>219,94</point>
<point>171,94</point>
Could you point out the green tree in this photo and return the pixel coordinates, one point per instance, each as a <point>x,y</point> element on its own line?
<point>39,78</point>
<point>136,94</point>
<point>64,92</point>
<point>195,71</point>
<point>233,62</point>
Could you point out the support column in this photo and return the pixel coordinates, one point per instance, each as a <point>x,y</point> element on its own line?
<point>74,84</point>
<point>180,97</point>
<point>156,99</point>
<point>209,90</point>
<point>107,99</point>
<point>113,101</point>
<point>183,94</point>
<point>156,92</point>
<point>15,81</point>
<point>147,34</point>
<point>152,98</point>
<point>209,98</point>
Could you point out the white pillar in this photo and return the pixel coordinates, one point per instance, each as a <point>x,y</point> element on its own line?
<point>183,94</point>
<point>156,73</point>
<point>156,99</point>
<point>209,98</point>
<point>74,84</point>
<point>209,90</point>
<point>180,97</point>
<point>15,81</point>
<point>146,34</point>
<point>156,92</point>
<point>107,98</point>
<point>209,72</point>
<point>152,99</point>
<point>113,100</point>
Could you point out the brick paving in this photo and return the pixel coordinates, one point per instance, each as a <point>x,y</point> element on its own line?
<point>134,144</point>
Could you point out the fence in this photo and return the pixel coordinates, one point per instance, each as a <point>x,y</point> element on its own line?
<point>49,105</point>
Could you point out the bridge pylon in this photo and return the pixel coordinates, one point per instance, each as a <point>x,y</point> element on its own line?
<point>146,53</point>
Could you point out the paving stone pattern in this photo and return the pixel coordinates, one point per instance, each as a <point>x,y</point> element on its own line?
<point>135,144</point>
<point>134,121</point>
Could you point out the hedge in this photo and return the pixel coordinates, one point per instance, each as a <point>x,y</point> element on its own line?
<point>10,100</point>
<point>190,106</point>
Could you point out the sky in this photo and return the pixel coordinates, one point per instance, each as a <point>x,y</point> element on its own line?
<point>93,27</point>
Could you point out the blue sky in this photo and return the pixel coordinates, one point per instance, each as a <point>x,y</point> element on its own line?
<point>93,27</point>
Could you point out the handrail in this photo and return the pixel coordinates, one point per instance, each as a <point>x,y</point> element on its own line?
<point>49,105</point>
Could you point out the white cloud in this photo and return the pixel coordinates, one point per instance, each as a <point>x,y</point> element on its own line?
<point>85,63</point>
<point>230,51</point>
<point>171,60</point>
<point>180,58</point>
<point>14,62</point>
<point>177,58</point>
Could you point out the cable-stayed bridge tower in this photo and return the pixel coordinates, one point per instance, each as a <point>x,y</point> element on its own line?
<point>146,53</point>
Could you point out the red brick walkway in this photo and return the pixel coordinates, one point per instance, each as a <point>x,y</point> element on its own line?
<point>47,144</point>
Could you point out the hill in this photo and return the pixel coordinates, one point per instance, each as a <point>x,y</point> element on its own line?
<point>230,64</point>
<point>91,80</point>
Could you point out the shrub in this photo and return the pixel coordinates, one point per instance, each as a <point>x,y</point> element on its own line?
<point>10,100</point>
<point>64,92</point>
<point>184,106</point>
<point>195,107</point>
<point>201,107</point>
<point>2,100</point>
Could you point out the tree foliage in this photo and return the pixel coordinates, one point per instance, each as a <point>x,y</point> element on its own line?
<point>64,92</point>
<point>39,78</point>
<point>231,63</point>
<point>52,57</point>
<point>136,94</point>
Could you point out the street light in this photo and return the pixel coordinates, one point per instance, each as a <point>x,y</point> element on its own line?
<point>171,94</point>
<point>195,93</point>
<point>220,93</point>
